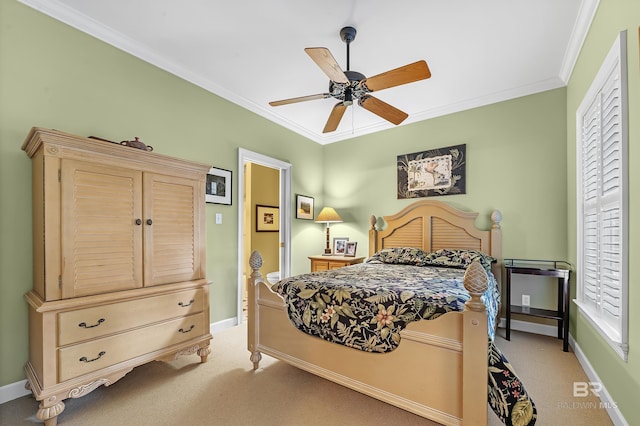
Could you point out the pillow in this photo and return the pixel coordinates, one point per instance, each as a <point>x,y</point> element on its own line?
<point>400,255</point>
<point>459,258</point>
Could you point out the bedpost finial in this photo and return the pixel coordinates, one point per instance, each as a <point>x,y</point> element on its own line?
<point>496,217</point>
<point>372,221</point>
<point>255,261</point>
<point>476,282</point>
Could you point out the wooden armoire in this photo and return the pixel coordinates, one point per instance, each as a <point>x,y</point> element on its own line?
<point>118,264</point>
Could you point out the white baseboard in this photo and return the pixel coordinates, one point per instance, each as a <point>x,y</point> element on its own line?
<point>605,398</point>
<point>223,325</point>
<point>530,327</point>
<point>13,391</point>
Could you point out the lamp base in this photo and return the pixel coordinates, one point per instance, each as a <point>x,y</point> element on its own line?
<point>327,250</point>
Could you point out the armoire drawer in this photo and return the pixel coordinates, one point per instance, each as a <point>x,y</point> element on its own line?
<point>90,323</point>
<point>83,358</point>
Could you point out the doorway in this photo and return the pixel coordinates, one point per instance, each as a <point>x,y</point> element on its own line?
<point>249,161</point>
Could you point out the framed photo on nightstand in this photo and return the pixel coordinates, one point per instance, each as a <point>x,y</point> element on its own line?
<point>340,246</point>
<point>350,249</point>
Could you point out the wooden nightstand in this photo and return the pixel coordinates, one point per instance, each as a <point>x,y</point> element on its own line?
<point>324,263</point>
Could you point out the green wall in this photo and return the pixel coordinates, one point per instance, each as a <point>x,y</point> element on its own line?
<point>53,76</point>
<point>515,163</point>
<point>519,161</point>
<point>621,379</point>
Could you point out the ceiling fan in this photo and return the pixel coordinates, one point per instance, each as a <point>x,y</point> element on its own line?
<point>349,86</point>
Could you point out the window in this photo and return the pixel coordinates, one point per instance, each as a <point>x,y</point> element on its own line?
<point>602,200</point>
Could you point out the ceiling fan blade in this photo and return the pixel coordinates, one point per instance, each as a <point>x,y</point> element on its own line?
<point>334,118</point>
<point>382,109</point>
<point>403,75</point>
<point>325,60</point>
<point>300,99</point>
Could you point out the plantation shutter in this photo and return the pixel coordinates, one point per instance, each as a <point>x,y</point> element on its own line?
<point>591,136</point>
<point>611,203</point>
<point>602,213</point>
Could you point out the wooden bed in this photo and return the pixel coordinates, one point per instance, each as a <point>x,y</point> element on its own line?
<point>450,350</point>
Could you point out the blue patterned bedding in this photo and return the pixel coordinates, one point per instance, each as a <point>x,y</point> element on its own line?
<point>365,306</point>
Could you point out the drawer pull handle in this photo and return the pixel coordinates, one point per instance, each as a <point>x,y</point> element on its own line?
<point>188,304</point>
<point>182,330</point>
<point>84,358</point>
<point>84,324</point>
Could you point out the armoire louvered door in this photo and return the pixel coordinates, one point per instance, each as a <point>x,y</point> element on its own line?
<point>117,220</point>
<point>102,242</point>
<point>172,209</point>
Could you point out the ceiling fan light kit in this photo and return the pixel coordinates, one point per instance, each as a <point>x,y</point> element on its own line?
<point>349,86</point>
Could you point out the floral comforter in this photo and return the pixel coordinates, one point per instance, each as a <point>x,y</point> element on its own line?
<point>365,306</point>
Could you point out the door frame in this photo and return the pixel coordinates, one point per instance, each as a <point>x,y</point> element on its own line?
<point>245,156</point>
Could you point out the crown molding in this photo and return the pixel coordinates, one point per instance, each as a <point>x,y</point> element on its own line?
<point>579,33</point>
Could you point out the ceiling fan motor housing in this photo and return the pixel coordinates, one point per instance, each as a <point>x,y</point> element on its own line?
<point>348,91</point>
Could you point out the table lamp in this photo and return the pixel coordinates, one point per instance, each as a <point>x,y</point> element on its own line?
<point>328,215</point>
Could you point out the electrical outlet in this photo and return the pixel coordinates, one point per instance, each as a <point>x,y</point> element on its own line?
<point>526,300</point>
<point>218,218</point>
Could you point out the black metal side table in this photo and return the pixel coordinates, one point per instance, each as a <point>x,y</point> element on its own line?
<point>547,268</point>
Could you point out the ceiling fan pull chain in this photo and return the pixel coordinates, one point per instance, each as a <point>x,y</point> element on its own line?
<point>353,121</point>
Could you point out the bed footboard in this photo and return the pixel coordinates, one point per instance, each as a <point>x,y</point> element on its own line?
<point>439,371</point>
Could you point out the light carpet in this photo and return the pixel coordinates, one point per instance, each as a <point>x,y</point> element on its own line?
<point>226,391</point>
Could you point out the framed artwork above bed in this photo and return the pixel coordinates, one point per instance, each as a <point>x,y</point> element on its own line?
<point>434,172</point>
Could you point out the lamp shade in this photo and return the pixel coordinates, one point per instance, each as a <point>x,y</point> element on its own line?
<point>328,215</point>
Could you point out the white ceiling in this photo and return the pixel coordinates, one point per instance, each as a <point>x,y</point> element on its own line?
<point>252,52</point>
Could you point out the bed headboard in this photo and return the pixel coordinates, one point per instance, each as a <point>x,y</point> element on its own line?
<point>432,225</point>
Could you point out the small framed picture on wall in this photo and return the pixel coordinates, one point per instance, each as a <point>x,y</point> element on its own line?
<point>304,207</point>
<point>267,218</point>
<point>218,186</point>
